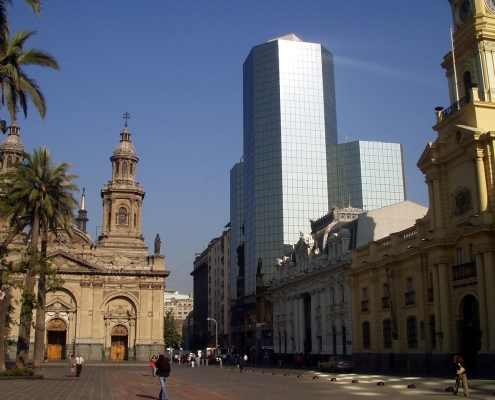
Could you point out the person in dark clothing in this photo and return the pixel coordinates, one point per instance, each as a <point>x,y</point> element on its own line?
<point>163,372</point>
<point>460,376</point>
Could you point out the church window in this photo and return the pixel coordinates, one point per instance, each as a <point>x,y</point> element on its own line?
<point>122,218</point>
<point>366,335</point>
<point>387,333</point>
<point>9,161</point>
<point>433,333</point>
<point>116,168</point>
<point>131,168</point>
<point>412,333</point>
<point>124,168</point>
<point>467,83</point>
<point>135,220</point>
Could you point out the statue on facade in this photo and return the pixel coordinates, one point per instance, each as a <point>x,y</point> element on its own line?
<point>158,243</point>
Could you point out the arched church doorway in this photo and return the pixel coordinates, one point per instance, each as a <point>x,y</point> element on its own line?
<point>119,340</point>
<point>469,331</point>
<point>56,330</point>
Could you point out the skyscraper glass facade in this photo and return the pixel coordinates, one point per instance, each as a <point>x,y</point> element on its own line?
<point>289,120</point>
<point>366,174</point>
<point>236,223</point>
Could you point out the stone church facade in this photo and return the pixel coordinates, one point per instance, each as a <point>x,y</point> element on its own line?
<point>110,302</point>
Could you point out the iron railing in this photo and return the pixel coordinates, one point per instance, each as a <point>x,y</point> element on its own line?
<point>463,271</point>
<point>385,302</point>
<point>410,298</point>
<point>455,107</point>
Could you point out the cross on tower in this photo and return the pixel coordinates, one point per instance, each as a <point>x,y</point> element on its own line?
<point>126,116</point>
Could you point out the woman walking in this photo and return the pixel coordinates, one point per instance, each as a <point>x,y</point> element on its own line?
<point>72,365</point>
<point>162,371</point>
<point>460,375</point>
<point>152,364</point>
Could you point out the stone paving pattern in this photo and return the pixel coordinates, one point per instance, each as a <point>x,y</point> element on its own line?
<point>127,380</point>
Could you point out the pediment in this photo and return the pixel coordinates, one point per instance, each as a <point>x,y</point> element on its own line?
<point>64,261</point>
<point>58,304</point>
<point>61,240</point>
<point>120,312</point>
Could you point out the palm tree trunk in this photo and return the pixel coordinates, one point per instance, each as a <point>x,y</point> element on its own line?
<point>28,299</point>
<point>4,310</point>
<point>5,302</point>
<point>39,334</point>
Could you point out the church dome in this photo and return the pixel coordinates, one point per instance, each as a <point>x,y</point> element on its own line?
<point>12,142</point>
<point>125,147</point>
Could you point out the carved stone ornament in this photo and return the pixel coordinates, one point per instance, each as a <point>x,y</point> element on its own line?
<point>461,201</point>
<point>56,325</point>
<point>119,330</point>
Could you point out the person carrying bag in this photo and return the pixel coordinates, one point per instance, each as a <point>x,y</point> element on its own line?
<point>460,376</point>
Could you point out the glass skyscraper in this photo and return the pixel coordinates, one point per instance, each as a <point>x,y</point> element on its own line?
<point>366,174</point>
<point>236,225</point>
<point>289,121</point>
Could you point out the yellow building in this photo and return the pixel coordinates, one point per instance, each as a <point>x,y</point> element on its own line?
<point>428,292</point>
<point>110,304</point>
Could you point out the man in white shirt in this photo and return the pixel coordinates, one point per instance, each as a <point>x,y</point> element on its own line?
<point>79,364</point>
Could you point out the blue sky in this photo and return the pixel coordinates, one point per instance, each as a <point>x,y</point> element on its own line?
<point>176,67</point>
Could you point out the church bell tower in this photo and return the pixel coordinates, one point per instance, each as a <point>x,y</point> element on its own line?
<point>474,49</point>
<point>122,201</point>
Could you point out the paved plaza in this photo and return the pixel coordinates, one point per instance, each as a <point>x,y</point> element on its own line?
<point>134,381</point>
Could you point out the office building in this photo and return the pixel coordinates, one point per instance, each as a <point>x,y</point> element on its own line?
<point>289,121</point>
<point>366,174</point>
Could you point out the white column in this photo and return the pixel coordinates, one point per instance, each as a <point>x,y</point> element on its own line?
<point>490,298</point>
<point>300,323</point>
<point>436,305</point>
<point>437,197</point>
<point>314,326</point>
<point>445,307</point>
<point>323,320</point>
<point>480,272</point>
<point>480,175</point>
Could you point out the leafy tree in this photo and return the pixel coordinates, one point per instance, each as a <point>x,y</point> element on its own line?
<point>171,337</point>
<point>39,194</point>
<point>6,309</point>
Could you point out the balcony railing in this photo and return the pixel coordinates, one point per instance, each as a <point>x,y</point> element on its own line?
<point>365,305</point>
<point>463,271</point>
<point>410,298</point>
<point>430,294</point>
<point>385,302</point>
<point>455,107</point>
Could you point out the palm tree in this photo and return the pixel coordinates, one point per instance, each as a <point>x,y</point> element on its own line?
<point>16,86</point>
<point>41,194</point>
<point>35,5</point>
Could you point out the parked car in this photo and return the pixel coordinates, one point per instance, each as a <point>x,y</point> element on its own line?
<point>337,364</point>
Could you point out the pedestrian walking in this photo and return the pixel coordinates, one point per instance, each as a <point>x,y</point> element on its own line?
<point>460,376</point>
<point>72,365</point>
<point>79,364</point>
<point>152,364</point>
<point>163,372</point>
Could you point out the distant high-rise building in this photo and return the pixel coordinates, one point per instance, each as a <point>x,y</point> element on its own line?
<point>366,174</point>
<point>236,231</point>
<point>289,121</point>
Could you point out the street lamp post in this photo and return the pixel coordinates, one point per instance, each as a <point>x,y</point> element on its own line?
<point>216,335</point>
